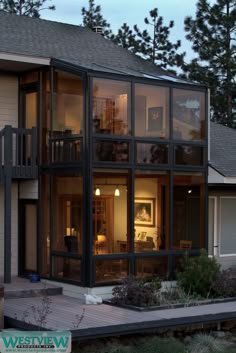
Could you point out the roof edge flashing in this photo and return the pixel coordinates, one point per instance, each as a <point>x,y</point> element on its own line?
<point>25,58</point>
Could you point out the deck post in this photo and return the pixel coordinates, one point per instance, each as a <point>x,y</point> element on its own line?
<point>7,202</point>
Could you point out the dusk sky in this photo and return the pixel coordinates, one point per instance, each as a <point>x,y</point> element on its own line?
<point>116,12</point>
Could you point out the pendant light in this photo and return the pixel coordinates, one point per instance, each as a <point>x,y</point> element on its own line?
<point>117,191</point>
<point>97,191</point>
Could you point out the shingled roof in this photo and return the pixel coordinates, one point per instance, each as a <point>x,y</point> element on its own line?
<point>74,45</point>
<point>223,149</point>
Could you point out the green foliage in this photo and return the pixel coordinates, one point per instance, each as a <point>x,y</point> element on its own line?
<point>198,274</point>
<point>213,34</point>
<point>30,8</point>
<point>138,292</point>
<point>159,345</point>
<point>225,284</point>
<point>155,47</point>
<point>203,343</point>
<point>92,17</point>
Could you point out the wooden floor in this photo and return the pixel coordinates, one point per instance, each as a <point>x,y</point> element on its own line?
<point>106,320</point>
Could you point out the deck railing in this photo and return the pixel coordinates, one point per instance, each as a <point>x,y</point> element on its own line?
<point>18,153</point>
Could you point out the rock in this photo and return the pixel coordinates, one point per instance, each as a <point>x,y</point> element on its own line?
<point>187,339</point>
<point>218,334</point>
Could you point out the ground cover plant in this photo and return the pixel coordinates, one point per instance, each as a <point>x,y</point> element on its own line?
<point>199,278</point>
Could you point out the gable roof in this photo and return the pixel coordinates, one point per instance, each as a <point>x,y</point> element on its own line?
<point>74,45</point>
<point>223,149</point>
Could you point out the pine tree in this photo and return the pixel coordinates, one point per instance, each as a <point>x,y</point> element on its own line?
<point>29,8</point>
<point>212,33</point>
<point>93,18</point>
<point>156,46</point>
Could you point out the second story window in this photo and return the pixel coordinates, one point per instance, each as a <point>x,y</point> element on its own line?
<point>111,107</point>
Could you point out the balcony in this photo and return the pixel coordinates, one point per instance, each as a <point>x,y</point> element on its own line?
<point>18,153</point>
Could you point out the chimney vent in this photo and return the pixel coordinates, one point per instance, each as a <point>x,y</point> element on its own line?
<point>98,29</point>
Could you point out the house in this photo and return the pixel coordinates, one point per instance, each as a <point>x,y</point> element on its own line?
<point>222,194</point>
<point>104,158</point>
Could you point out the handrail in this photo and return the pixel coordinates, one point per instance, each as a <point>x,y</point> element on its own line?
<point>18,152</point>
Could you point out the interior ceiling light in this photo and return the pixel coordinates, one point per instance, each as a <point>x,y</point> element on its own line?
<point>97,191</point>
<point>117,191</point>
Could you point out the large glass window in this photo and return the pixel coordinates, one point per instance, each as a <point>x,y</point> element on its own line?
<point>67,214</point>
<point>151,111</point>
<point>111,107</point>
<point>111,270</point>
<point>67,104</point>
<point>188,211</point>
<point>110,213</point>
<point>151,214</point>
<point>189,115</point>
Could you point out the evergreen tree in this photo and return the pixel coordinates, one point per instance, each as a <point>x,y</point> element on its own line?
<point>29,8</point>
<point>212,33</point>
<point>156,46</point>
<point>93,18</point>
<point>125,37</point>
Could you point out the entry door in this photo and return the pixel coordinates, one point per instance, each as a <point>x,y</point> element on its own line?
<point>28,237</point>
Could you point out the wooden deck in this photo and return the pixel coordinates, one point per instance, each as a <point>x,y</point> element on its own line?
<point>105,320</point>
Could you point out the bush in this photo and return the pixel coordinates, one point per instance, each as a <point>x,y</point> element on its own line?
<point>225,284</point>
<point>138,292</point>
<point>198,274</point>
<point>203,343</point>
<point>159,345</point>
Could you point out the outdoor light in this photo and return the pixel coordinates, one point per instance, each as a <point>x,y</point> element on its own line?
<point>190,191</point>
<point>97,191</point>
<point>117,191</point>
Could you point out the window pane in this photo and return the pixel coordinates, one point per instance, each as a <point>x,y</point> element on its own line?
<point>110,234</point>
<point>151,216</point>
<point>111,107</point>
<point>65,268</point>
<point>149,153</point>
<point>188,115</point>
<point>111,151</point>
<point>67,214</point>
<point>151,111</point>
<point>228,223</point>
<point>110,270</point>
<point>67,104</point>
<point>188,212</point>
<point>188,155</point>
<point>152,267</point>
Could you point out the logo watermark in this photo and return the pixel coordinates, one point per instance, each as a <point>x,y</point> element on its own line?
<point>35,341</point>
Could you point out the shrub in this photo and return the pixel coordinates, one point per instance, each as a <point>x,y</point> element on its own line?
<point>138,292</point>
<point>159,345</point>
<point>198,273</point>
<point>225,284</point>
<point>203,343</point>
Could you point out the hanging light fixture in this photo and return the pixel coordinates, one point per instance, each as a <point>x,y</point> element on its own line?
<point>117,191</point>
<point>97,191</point>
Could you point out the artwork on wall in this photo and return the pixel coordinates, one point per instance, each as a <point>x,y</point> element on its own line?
<point>155,119</point>
<point>144,212</point>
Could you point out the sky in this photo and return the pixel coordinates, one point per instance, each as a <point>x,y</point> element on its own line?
<point>116,12</point>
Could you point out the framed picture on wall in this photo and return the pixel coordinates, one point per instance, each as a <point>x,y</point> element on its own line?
<point>155,119</point>
<point>144,212</point>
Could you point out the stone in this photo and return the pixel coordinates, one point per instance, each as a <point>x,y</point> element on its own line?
<point>218,334</point>
<point>187,339</point>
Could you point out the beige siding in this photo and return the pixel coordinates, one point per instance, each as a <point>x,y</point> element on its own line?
<point>226,261</point>
<point>8,100</point>
<point>29,189</point>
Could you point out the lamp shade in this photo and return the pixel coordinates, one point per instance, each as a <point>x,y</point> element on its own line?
<point>97,191</point>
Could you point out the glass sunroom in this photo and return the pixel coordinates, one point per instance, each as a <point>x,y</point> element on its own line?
<point>123,176</point>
